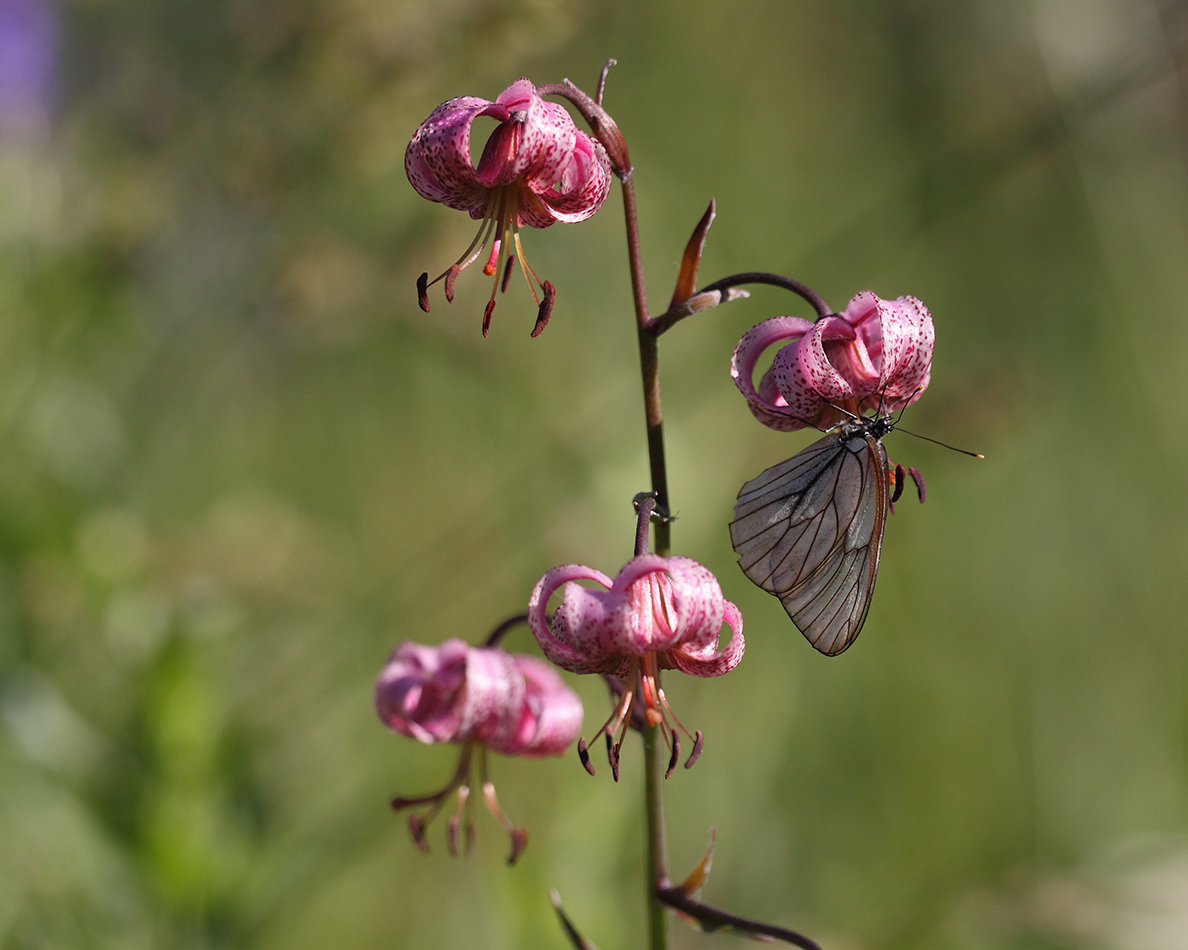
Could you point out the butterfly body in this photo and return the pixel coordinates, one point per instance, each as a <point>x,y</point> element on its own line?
<point>810,531</point>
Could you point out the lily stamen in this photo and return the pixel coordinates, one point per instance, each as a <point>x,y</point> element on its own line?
<point>463,797</point>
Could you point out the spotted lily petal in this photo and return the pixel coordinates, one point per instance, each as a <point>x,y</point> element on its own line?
<point>566,637</point>
<point>449,693</point>
<point>705,659</point>
<point>900,338</point>
<point>437,160</point>
<point>550,715</point>
<point>767,404</point>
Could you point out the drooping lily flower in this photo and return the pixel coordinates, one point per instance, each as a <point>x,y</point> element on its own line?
<point>658,613</point>
<point>480,698</point>
<point>536,168</point>
<point>876,354</point>
<point>550,715</point>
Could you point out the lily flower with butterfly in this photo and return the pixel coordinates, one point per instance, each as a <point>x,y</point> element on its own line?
<point>874,355</point>
<point>810,530</point>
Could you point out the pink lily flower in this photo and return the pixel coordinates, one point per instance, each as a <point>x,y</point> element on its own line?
<point>876,354</point>
<point>449,693</point>
<point>658,613</point>
<point>536,168</point>
<point>550,714</point>
<point>480,698</point>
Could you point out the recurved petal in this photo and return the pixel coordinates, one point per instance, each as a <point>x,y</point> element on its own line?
<point>908,341</point>
<point>834,363</point>
<point>697,598</point>
<point>505,157</point>
<point>518,97</point>
<point>707,660</point>
<point>575,636</point>
<point>582,188</point>
<point>763,403</point>
<point>796,392</point>
<point>532,143</point>
<point>437,160</point>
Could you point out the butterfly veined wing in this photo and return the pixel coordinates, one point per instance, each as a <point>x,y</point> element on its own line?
<point>810,530</point>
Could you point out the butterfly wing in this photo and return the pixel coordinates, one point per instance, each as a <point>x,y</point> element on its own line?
<point>810,530</point>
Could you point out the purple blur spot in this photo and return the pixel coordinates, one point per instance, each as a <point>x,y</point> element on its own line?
<point>28,66</point>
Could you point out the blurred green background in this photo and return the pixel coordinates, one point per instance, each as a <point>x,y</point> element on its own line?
<point>237,465</point>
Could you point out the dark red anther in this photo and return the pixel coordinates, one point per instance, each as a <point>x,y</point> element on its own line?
<point>519,841</point>
<point>612,755</point>
<point>451,276</point>
<point>487,316</point>
<point>899,478</point>
<point>546,308</point>
<point>698,742</point>
<point>511,259</point>
<point>416,828</point>
<point>423,292</point>
<point>921,488</point>
<point>676,755</point>
<point>584,755</point>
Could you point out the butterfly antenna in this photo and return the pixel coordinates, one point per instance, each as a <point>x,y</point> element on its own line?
<point>977,455</point>
<point>843,410</point>
<point>903,408</point>
<point>813,425</point>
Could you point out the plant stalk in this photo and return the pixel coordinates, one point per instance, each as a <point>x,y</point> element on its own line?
<point>654,760</point>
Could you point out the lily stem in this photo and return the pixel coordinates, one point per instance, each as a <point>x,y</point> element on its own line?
<point>649,364</point>
<point>654,764</point>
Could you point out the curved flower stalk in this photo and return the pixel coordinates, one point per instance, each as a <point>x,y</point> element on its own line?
<point>480,698</point>
<point>536,168</point>
<point>658,613</point>
<point>876,354</point>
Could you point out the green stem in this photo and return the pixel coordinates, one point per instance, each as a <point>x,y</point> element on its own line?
<point>649,366</point>
<point>654,763</point>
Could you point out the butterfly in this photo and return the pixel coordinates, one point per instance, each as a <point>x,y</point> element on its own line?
<point>810,529</point>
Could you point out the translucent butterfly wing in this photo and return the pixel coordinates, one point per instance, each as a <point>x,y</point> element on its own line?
<point>810,529</point>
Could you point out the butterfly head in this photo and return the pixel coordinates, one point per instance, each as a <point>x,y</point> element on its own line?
<point>861,426</point>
